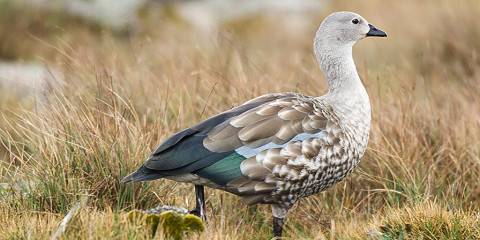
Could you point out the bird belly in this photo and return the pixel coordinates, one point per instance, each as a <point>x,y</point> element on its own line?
<point>337,154</point>
<point>317,181</point>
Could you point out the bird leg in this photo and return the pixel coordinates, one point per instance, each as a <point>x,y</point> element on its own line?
<point>199,209</point>
<point>279,213</point>
<point>277,227</point>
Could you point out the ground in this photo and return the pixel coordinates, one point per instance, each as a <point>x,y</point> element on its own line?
<point>122,93</point>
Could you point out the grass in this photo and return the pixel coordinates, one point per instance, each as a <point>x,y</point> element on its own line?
<point>123,94</point>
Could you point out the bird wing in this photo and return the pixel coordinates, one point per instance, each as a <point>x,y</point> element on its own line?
<point>217,148</point>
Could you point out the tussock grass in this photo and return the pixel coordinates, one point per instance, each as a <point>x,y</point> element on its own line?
<point>429,221</point>
<point>426,220</point>
<point>123,95</point>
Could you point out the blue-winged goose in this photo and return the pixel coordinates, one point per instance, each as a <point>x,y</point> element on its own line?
<point>278,148</point>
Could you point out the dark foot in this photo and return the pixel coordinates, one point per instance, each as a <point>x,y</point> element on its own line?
<point>279,213</point>
<point>195,212</point>
<point>277,227</point>
<point>199,209</point>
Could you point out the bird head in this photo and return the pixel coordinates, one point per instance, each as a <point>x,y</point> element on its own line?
<point>346,28</point>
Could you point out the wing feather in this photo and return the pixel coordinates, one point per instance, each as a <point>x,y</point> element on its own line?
<point>269,127</point>
<point>291,114</point>
<point>260,130</point>
<point>276,121</point>
<point>186,151</point>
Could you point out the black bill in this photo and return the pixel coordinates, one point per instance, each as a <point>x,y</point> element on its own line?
<point>375,32</point>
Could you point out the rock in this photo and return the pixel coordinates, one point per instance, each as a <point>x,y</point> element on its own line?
<point>117,15</point>
<point>27,80</point>
<point>207,15</point>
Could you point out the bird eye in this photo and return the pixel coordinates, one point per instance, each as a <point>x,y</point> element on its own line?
<point>355,21</point>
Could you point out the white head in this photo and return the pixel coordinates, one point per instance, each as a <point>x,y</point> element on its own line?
<point>333,46</point>
<point>344,29</point>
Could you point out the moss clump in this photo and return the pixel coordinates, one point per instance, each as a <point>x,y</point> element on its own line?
<point>135,216</point>
<point>152,220</point>
<point>193,223</point>
<point>175,225</point>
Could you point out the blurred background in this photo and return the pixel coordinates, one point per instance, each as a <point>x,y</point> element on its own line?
<point>89,87</point>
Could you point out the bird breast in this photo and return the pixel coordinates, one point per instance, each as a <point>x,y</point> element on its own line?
<point>316,164</point>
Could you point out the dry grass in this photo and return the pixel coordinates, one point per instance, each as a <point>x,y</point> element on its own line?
<point>124,94</point>
<point>427,220</point>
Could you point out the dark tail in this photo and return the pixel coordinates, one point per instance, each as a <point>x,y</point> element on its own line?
<point>142,174</point>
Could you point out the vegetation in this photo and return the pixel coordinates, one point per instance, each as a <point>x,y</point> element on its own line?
<point>122,95</point>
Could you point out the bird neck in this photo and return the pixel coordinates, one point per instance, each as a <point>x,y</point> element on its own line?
<point>336,62</point>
